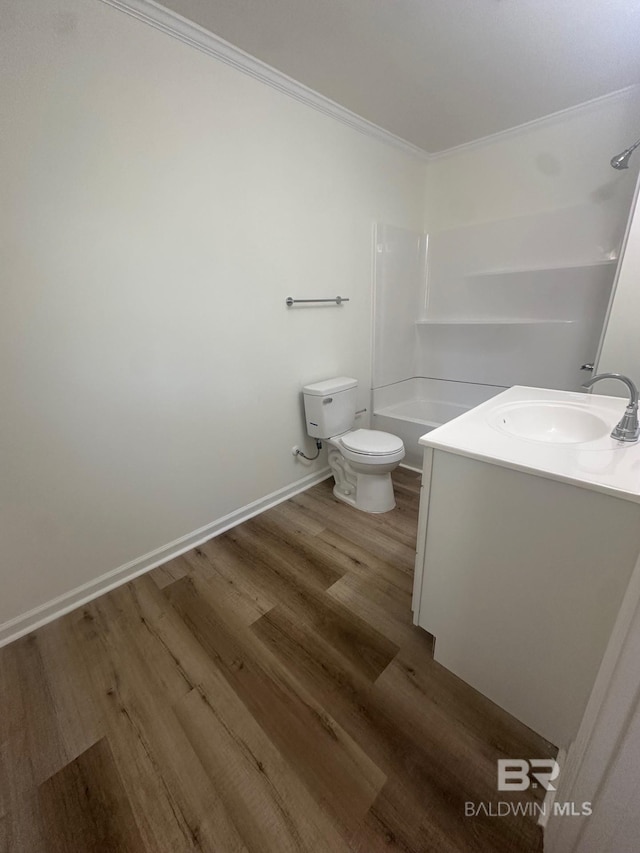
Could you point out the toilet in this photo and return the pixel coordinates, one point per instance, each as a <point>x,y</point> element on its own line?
<point>362,459</point>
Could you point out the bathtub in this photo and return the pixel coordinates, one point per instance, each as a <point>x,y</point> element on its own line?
<point>411,408</point>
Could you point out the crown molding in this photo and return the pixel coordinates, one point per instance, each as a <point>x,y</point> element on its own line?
<point>539,123</point>
<point>180,28</point>
<point>174,25</point>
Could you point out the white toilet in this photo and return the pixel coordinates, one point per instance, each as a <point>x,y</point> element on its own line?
<point>361,460</point>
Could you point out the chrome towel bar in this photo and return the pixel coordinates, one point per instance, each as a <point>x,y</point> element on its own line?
<point>337,299</point>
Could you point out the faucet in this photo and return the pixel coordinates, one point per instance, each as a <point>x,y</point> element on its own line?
<point>627,429</point>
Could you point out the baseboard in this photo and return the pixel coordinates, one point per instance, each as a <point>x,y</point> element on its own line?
<point>410,468</point>
<point>27,622</point>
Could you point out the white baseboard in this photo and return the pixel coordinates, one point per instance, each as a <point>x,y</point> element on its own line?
<point>410,468</point>
<point>27,622</point>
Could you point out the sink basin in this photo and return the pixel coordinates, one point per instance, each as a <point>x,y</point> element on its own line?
<point>550,421</point>
<point>562,435</point>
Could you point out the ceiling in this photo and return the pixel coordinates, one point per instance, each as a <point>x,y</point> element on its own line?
<point>438,73</point>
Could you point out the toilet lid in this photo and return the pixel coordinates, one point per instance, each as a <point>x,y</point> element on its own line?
<point>372,441</point>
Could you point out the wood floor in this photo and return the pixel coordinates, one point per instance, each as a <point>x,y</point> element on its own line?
<point>265,692</point>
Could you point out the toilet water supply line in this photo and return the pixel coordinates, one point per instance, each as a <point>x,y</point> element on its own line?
<point>310,458</point>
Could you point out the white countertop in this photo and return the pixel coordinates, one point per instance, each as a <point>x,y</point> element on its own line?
<point>603,465</point>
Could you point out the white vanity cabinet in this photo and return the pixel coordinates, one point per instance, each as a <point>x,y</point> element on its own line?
<point>520,576</point>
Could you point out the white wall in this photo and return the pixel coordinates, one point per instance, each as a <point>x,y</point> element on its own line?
<point>158,207</point>
<point>551,165</point>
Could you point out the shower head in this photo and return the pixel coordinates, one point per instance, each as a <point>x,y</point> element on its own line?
<point>621,161</point>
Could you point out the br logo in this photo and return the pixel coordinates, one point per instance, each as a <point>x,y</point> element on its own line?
<point>517,774</point>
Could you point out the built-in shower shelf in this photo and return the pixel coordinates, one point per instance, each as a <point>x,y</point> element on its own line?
<point>491,321</point>
<point>517,271</point>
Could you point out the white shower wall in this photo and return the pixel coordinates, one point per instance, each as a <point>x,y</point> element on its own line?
<point>520,327</point>
<point>399,277</point>
<point>403,402</point>
<point>525,229</point>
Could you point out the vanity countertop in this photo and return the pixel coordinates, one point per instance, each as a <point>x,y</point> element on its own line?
<point>600,464</point>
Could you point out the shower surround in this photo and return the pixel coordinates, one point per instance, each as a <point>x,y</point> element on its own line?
<point>464,313</point>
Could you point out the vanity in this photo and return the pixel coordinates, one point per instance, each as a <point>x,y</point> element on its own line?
<point>528,532</point>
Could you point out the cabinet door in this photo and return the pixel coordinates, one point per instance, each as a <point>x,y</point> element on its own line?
<point>523,577</point>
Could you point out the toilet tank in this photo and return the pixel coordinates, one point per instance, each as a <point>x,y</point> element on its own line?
<point>330,406</point>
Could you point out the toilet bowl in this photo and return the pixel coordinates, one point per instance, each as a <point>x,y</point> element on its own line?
<point>361,460</point>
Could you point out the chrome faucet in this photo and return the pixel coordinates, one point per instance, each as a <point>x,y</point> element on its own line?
<point>627,429</point>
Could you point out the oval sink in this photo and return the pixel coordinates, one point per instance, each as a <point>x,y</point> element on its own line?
<point>554,423</point>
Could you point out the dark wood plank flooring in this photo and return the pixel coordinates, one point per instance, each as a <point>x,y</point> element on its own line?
<point>264,692</point>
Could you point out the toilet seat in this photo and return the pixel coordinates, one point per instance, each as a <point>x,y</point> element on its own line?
<point>374,447</point>
<point>372,442</point>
